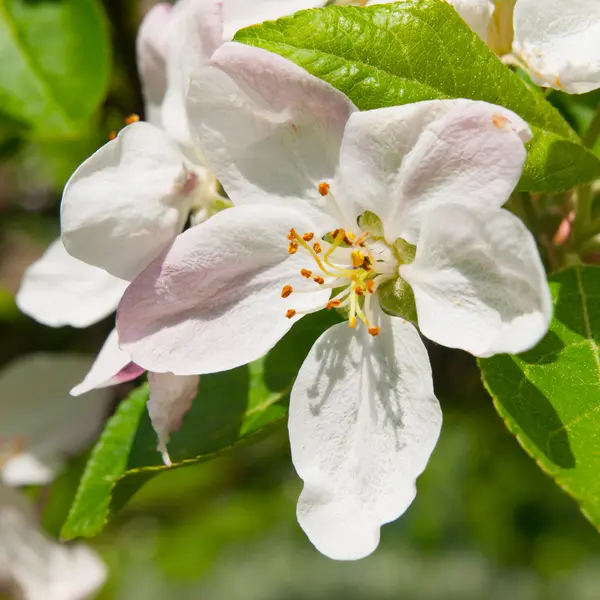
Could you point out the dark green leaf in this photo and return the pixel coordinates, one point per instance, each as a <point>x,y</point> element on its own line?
<point>231,408</point>
<point>54,63</point>
<point>550,396</point>
<point>405,52</point>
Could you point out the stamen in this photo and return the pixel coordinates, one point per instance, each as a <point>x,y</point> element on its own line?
<point>374,331</point>
<point>308,236</point>
<point>293,247</point>
<point>323,188</point>
<point>306,273</point>
<point>358,258</point>
<point>318,279</point>
<point>371,286</point>
<point>112,135</point>
<point>291,235</point>
<point>132,118</point>
<point>286,291</point>
<point>361,240</point>
<point>333,304</point>
<point>317,247</point>
<point>359,291</point>
<point>290,313</point>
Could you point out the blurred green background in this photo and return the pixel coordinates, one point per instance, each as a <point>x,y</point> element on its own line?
<point>487,523</point>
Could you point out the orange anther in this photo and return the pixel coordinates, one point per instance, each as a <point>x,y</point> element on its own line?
<point>293,247</point>
<point>359,291</point>
<point>318,279</point>
<point>290,313</point>
<point>308,236</point>
<point>286,291</point>
<point>370,286</point>
<point>323,188</point>
<point>291,235</point>
<point>374,330</point>
<point>333,304</point>
<point>317,247</point>
<point>133,118</point>
<point>112,135</point>
<point>305,273</point>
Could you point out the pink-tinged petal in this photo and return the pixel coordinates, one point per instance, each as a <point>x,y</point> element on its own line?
<point>270,130</point>
<point>152,46</point>
<point>171,397</point>
<point>479,282</point>
<point>241,13</point>
<point>40,424</point>
<point>37,567</point>
<point>60,290</point>
<point>196,32</point>
<point>402,161</point>
<point>113,366</point>
<point>558,40</point>
<point>214,301</point>
<point>363,422</point>
<point>126,203</point>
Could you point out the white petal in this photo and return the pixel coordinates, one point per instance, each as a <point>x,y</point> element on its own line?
<point>270,130</point>
<point>171,397</point>
<point>60,290</point>
<point>558,39</point>
<point>479,282</point>
<point>126,203</point>
<point>363,423</point>
<point>241,13</point>
<point>39,568</point>
<point>151,49</point>
<point>476,14</point>
<point>214,302</point>
<point>112,366</point>
<point>196,31</point>
<point>40,423</point>
<point>399,162</point>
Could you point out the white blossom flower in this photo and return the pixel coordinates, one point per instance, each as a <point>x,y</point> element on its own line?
<point>127,202</point>
<point>34,567</point>
<point>40,425</point>
<point>556,40</point>
<point>331,201</point>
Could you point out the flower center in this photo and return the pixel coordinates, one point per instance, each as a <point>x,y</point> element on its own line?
<point>353,266</point>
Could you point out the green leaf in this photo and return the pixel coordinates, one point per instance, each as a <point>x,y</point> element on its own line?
<point>231,408</point>
<point>549,397</point>
<point>54,63</point>
<point>392,54</point>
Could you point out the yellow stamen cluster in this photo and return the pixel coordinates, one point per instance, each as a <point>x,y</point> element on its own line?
<point>361,276</point>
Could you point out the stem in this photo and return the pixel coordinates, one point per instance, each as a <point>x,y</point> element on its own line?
<point>593,131</point>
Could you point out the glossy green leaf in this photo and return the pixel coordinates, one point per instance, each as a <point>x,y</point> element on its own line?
<point>550,396</point>
<point>54,63</point>
<point>392,54</point>
<point>231,408</point>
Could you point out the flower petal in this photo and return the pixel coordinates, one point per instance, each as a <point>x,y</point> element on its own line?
<point>60,290</point>
<point>125,204</point>
<point>151,48</point>
<point>363,423</point>
<point>196,31</point>
<point>241,13</point>
<point>214,301</point>
<point>270,130</point>
<point>171,396</point>
<point>559,42</point>
<point>38,567</point>
<point>112,366</point>
<point>401,161</point>
<point>477,14</point>
<point>478,281</point>
<point>40,424</point>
